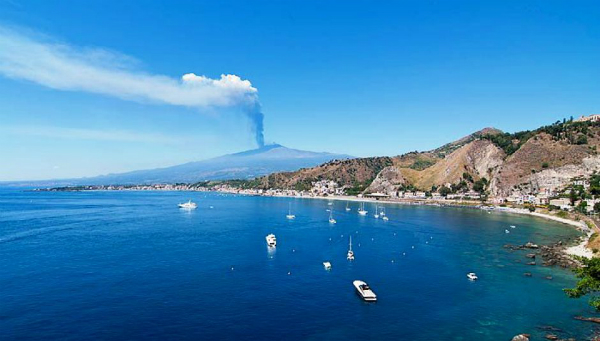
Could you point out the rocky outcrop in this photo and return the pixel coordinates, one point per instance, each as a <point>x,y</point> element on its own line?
<point>521,337</point>
<point>477,158</point>
<point>387,181</point>
<point>536,163</point>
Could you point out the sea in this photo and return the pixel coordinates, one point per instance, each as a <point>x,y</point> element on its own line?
<point>131,265</point>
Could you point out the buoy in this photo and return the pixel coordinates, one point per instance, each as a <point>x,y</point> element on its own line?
<point>413,246</point>
<point>232,268</point>
<point>289,272</point>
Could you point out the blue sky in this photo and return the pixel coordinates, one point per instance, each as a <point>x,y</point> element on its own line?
<point>361,78</point>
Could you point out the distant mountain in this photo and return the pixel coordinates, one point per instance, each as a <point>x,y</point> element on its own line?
<point>244,165</point>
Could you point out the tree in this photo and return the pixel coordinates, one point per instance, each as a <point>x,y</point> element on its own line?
<point>589,281</point>
<point>597,207</point>
<point>572,197</point>
<point>582,207</point>
<point>444,191</point>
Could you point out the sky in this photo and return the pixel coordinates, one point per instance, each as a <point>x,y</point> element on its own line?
<point>96,87</point>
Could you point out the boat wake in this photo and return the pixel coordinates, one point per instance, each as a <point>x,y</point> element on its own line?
<point>33,233</point>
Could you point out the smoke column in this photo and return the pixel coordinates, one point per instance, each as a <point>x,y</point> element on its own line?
<point>256,117</point>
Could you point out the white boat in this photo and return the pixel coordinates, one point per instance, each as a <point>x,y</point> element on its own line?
<point>327,266</point>
<point>329,203</point>
<point>271,240</point>
<point>365,291</point>
<point>512,226</point>
<point>506,231</point>
<point>382,213</point>
<point>472,276</point>
<point>350,255</point>
<point>290,215</point>
<point>347,207</point>
<point>331,220</point>
<point>361,210</point>
<point>188,205</point>
<point>385,218</point>
<point>376,215</point>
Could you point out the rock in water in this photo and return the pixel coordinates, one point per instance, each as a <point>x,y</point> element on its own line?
<point>521,337</point>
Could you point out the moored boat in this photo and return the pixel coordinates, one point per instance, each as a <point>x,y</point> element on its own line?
<point>365,291</point>
<point>188,205</point>
<point>271,240</point>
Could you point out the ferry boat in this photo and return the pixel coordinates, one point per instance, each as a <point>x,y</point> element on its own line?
<point>271,240</point>
<point>472,276</point>
<point>350,255</point>
<point>188,205</point>
<point>365,291</point>
<point>361,210</point>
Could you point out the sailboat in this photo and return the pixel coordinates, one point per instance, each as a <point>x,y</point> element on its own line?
<point>382,213</point>
<point>331,220</point>
<point>290,215</point>
<point>376,215</point>
<point>350,255</point>
<point>361,210</point>
<point>347,207</point>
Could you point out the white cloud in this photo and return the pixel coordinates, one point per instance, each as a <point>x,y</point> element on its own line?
<point>60,66</point>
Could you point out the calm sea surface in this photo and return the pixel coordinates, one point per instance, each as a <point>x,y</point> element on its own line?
<point>132,266</point>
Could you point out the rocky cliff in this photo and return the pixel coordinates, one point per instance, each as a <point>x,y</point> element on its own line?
<point>489,160</point>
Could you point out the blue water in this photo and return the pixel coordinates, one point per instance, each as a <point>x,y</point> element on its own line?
<point>131,266</point>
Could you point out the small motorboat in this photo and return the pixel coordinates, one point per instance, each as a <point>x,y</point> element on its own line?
<point>385,218</point>
<point>512,226</point>
<point>472,276</point>
<point>365,291</point>
<point>188,205</point>
<point>327,265</point>
<point>506,231</point>
<point>271,240</point>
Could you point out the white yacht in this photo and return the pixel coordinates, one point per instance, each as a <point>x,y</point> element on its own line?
<point>327,266</point>
<point>361,210</point>
<point>290,215</point>
<point>472,276</point>
<point>347,207</point>
<point>376,215</point>
<point>331,220</point>
<point>188,205</point>
<point>365,291</point>
<point>350,255</point>
<point>271,240</point>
